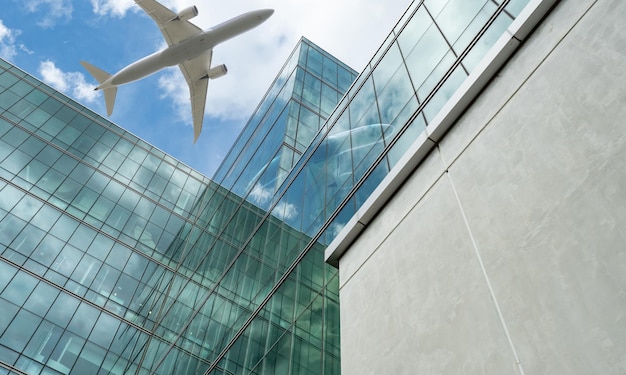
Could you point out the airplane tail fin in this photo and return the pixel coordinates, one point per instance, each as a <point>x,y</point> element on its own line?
<point>101,76</point>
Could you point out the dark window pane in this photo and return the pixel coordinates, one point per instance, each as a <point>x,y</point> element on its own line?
<point>62,310</point>
<point>41,299</point>
<point>83,321</point>
<point>20,330</point>
<point>19,288</point>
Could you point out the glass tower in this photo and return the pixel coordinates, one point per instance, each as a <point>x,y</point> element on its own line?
<point>291,324</point>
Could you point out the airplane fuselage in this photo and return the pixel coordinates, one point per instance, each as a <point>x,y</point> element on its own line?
<point>187,49</point>
<point>188,46</point>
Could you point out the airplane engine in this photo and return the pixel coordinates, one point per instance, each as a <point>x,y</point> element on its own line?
<point>188,13</point>
<point>217,71</point>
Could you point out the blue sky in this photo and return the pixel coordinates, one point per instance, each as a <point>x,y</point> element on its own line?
<point>48,38</point>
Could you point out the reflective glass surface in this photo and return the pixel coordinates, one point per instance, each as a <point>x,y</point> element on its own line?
<point>428,55</point>
<point>274,272</point>
<point>89,215</point>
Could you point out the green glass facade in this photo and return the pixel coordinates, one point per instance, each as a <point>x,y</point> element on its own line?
<point>116,258</point>
<point>88,213</point>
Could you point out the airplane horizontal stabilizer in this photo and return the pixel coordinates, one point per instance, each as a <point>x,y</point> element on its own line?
<point>97,73</point>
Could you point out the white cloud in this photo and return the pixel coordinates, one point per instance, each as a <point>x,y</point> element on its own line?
<point>114,8</point>
<point>70,83</point>
<point>336,228</point>
<point>260,194</point>
<point>54,10</point>
<point>351,30</point>
<point>173,86</point>
<point>25,49</point>
<point>285,211</point>
<point>8,48</point>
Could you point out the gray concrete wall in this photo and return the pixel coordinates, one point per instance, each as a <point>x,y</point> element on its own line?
<point>505,251</point>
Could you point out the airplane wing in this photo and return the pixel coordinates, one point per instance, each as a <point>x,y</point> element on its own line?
<point>195,72</point>
<point>173,29</point>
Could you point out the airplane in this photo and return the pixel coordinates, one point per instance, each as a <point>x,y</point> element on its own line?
<point>189,47</point>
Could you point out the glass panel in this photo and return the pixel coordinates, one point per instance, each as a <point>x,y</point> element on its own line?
<point>456,15</point>
<point>515,7</point>
<point>395,97</point>
<point>62,310</point>
<point>33,171</point>
<point>47,250</point>
<point>9,196</point>
<point>362,112</point>
<point>412,132</point>
<point>436,75</point>
<point>20,330</point>
<point>6,274</point>
<point>84,320</point>
<point>90,359</point>
<point>44,340</point>
<point>66,352</point>
<point>444,93</point>
<point>486,41</point>
<point>19,288</point>
<point>427,53</point>
<point>470,32</point>
<point>414,30</point>
<point>41,299</point>
<point>10,227</point>
<point>67,260</point>
<point>86,270</point>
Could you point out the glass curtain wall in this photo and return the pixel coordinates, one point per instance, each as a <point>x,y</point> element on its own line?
<point>88,216</point>
<point>299,101</point>
<point>430,52</point>
<point>263,269</point>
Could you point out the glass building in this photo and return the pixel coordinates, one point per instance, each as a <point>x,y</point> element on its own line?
<point>116,258</point>
<point>290,323</point>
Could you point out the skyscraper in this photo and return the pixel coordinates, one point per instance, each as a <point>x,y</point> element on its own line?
<point>291,324</point>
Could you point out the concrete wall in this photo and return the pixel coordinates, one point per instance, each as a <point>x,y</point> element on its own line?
<point>505,251</point>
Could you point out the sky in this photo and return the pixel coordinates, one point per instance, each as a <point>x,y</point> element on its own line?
<point>48,39</point>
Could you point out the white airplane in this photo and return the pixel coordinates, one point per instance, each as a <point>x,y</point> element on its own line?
<point>188,47</point>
